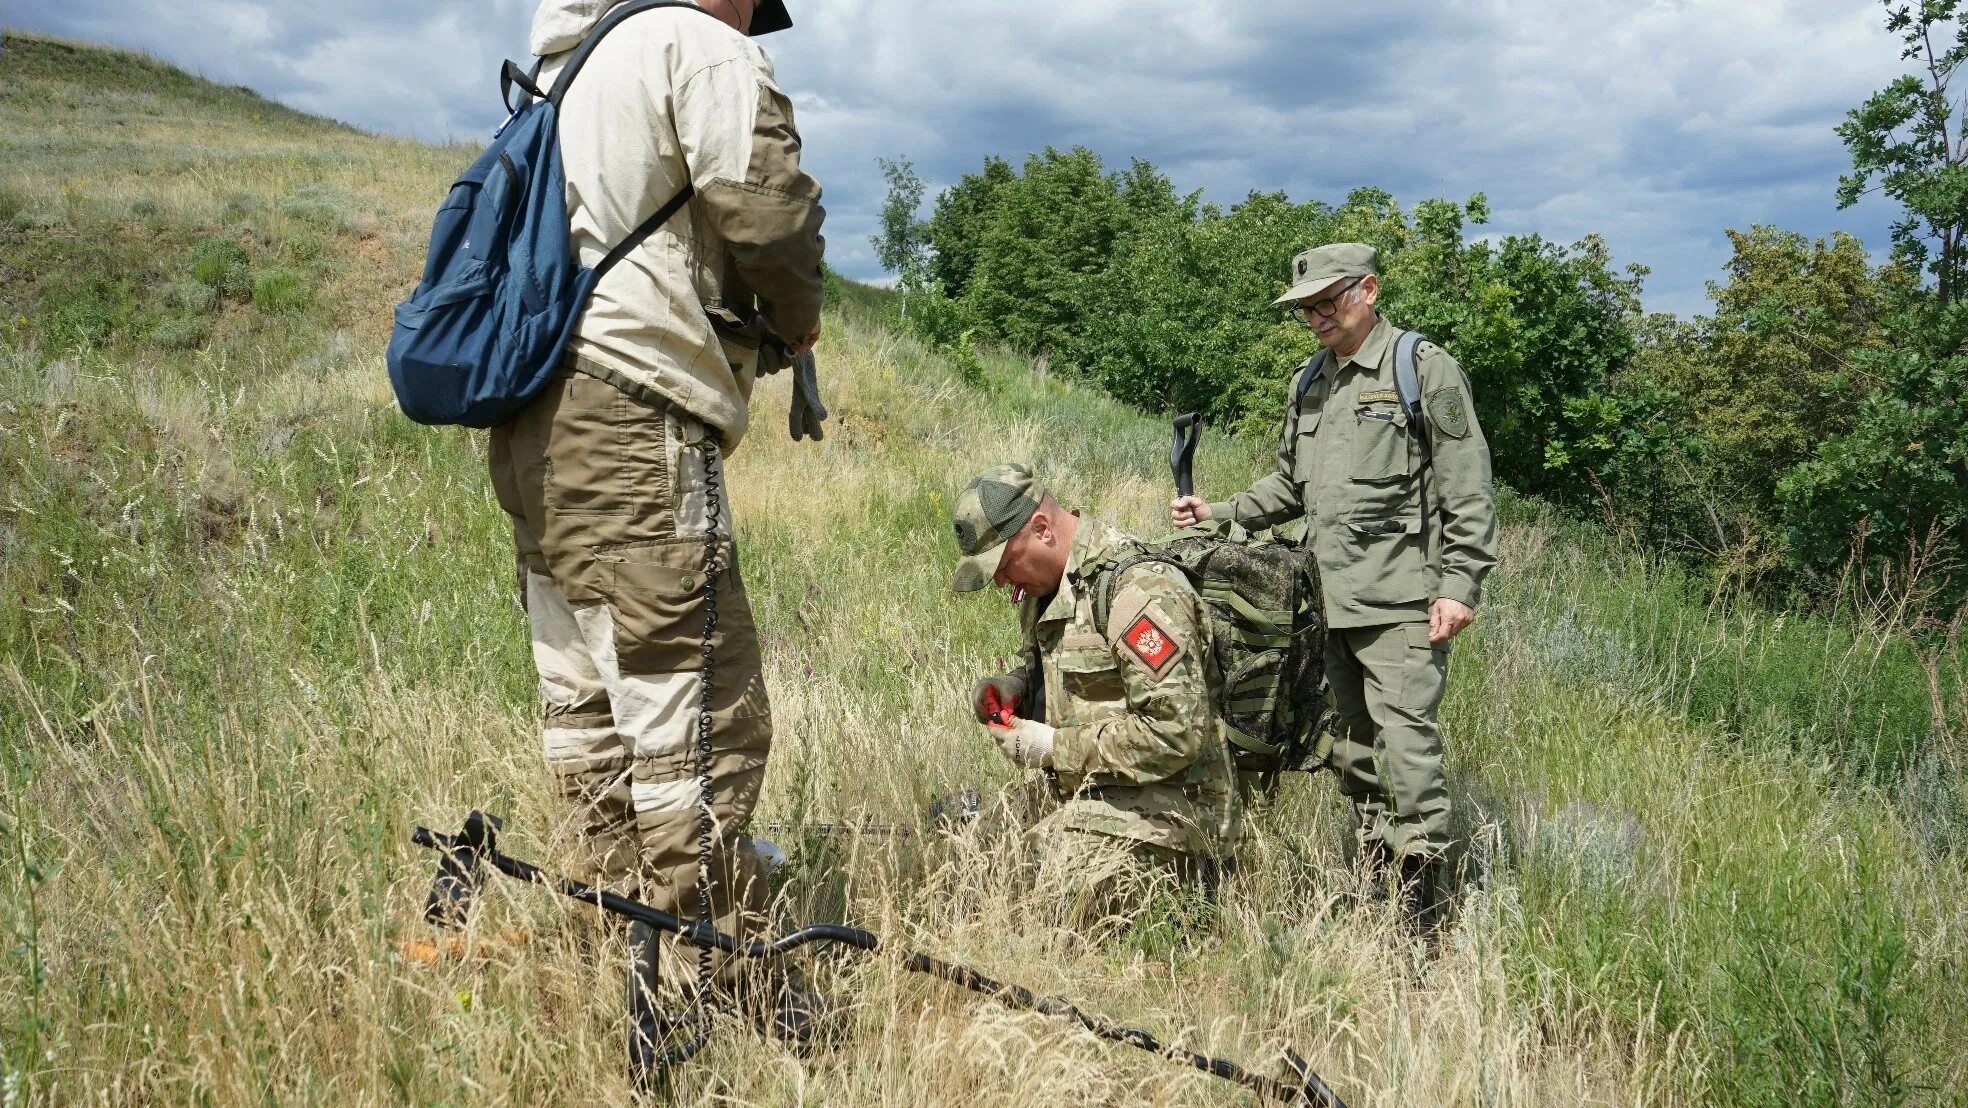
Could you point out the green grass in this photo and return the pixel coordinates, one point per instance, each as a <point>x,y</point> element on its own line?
<point>257,626</point>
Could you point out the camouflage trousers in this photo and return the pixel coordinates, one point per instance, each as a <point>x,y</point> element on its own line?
<point>1098,885</point>
<point>1386,684</point>
<point>609,507</point>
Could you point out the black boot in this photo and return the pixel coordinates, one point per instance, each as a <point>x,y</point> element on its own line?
<point>1374,863</point>
<point>1422,896</point>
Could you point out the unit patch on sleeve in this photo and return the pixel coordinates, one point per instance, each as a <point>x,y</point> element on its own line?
<point>1445,410</point>
<point>1151,644</point>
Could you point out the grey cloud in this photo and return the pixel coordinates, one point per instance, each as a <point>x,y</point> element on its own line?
<point>1656,122</point>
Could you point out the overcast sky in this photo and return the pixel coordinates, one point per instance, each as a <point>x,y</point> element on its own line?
<point>1657,123</point>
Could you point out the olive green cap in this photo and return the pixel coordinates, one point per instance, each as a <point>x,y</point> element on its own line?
<point>990,510</point>
<point>1320,267</point>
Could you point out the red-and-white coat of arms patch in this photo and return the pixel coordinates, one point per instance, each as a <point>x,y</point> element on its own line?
<point>1151,644</point>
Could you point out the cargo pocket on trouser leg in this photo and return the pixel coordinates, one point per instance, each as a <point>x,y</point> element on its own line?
<point>1353,743</point>
<point>695,460</point>
<point>655,593</point>
<point>1413,750</point>
<point>582,748</point>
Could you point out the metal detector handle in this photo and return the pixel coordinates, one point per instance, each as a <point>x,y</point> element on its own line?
<point>1182,455</point>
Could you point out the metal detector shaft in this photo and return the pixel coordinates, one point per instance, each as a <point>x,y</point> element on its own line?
<point>701,933</point>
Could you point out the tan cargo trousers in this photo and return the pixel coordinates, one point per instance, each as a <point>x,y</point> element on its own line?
<point>609,506</point>
<point>1387,684</point>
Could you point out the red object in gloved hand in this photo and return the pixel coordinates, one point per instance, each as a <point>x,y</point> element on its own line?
<point>998,712</point>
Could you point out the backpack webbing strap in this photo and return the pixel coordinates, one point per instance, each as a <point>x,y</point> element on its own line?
<point>643,230</point>
<point>1313,369</point>
<point>1407,383</point>
<point>565,78</point>
<point>510,74</point>
<point>1239,739</point>
<point>1103,594</point>
<point>610,22</point>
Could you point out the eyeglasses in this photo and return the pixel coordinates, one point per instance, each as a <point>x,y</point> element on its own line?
<point>1325,307</point>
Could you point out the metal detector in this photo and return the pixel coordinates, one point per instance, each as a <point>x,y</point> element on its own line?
<point>460,872</point>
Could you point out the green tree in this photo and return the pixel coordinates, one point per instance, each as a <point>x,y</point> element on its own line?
<point>1907,142</point>
<point>1050,232</point>
<point>956,229</point>
<point>902,245</point>
<point>1778,377</point>
<point>1895,487</point>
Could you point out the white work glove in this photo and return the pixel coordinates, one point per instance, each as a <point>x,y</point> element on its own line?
<point>1026,741</point>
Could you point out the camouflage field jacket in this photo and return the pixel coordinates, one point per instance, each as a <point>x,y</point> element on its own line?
<point>1140,751</point>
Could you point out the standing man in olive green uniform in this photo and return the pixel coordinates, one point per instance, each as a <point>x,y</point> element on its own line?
<point>1402,522</point>
<point>1113,698</point>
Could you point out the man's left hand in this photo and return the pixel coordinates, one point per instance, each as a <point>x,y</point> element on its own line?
<point>1025,741</point>
<point>1447,620</point>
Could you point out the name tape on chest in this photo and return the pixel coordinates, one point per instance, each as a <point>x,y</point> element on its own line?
<point>1151,645</point>
<point>1379,396</point>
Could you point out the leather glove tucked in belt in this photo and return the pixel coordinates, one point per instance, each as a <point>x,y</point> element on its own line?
<point>807,413</point>
<point>991,696</point>
<point>1025,741</point>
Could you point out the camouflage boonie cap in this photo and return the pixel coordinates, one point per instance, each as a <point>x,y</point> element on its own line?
<point>1322,266</point>
<point>991,509</point>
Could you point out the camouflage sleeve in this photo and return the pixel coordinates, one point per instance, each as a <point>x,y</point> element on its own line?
<point>1154,628</point>
<point>1464,497</point>
<point>1274,499</point>
<point>737,131</point>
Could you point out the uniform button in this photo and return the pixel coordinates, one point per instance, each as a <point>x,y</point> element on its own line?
<point>689,582</point>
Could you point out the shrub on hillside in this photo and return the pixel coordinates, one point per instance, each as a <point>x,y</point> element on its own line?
<point>183,332</point>
<point>282,292</point>
<point>327,208</point>
<point>12,203</point>
<point>88,312</point>
<point>221,265</point>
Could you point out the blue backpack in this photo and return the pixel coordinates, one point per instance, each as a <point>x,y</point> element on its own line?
<point>502,290</point>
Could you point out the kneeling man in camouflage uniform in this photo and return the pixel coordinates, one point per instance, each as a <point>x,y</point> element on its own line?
<point>1113,699</point>
<point>1402,523</point>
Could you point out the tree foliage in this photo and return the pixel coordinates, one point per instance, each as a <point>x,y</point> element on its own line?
<point>902,245</point>
<point>1814,422</point>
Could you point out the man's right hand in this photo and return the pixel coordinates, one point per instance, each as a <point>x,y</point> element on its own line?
<point>1188,511</point>
<point>993,695</point>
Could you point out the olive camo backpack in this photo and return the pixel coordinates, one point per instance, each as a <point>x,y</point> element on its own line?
<point>1267,638</point>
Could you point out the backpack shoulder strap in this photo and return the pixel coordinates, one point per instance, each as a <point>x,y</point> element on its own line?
<point>1109,575</point>
<point>1407,382</point>
<point>1315,367</point>
<point>565,80</point>
<point>610,22</point>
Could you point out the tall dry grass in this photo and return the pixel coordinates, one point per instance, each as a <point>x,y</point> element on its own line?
<point>258,626</point>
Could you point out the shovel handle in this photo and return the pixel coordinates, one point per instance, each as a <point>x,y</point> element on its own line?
<point>1182,455</point>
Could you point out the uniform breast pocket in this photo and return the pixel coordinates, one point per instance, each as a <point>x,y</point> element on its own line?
<point>1380,444</point>
<point>1305,448</point>
<point>1089,673</point>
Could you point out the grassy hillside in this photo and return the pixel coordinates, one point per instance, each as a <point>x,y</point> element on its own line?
<point>257,626</point>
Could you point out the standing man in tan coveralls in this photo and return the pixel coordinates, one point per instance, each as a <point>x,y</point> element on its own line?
<point>613,477</point>
<point>1403,526</point>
